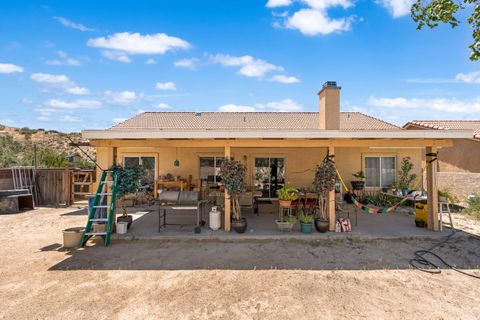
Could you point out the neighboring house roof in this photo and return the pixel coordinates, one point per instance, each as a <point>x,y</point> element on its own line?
<point>184,121</point>
<point>473,125</point>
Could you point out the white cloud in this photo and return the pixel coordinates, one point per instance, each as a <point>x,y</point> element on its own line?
<point>312,22</point>
<point>249,66</point>
<point>150,61</point>
<point>69,118</point>
<point>116,56</point>
<point>120,45</point>
<point>278,3</point>
<point>187,63</point>
<point>452,105</point>
<point>73,25</point>
<point>165,86</point>
<point>286,105</point>
<point>397,8</point>
<point>10,68</point>
<point>122,98</point>
<point>163,106</point>
<point>313,19</point>
<point>59,81</point>
<point>235,108</point>
<point>118,120</point>
<point>54,104</point>
<point>470,77</point>
<point>64,59</point>
<point>284,79</point>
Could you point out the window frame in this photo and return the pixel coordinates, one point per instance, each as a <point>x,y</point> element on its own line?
<point>215,157</point>
<point>388,155</point>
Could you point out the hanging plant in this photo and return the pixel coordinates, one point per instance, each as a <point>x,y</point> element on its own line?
<point>324,182</point>
<point>233,174</point>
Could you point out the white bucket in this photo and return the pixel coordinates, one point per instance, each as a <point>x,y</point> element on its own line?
<point>122,227</point>
<point>72,237</point>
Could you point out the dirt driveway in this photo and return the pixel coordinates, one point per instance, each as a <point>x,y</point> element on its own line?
<point>225,280</point>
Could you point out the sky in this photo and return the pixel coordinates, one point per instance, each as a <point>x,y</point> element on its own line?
<point>77,65</point>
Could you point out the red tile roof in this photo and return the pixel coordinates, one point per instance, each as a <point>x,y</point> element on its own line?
<point>473,125</point>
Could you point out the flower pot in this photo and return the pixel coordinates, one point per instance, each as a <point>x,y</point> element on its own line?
<point>321,225</point>
<point>306,227</point>
<point>240,226</point>
<point>128,219</point>
<point>284,225</point>
<point>285,203</point>
<point>72,236</point>
<point>358,185</point>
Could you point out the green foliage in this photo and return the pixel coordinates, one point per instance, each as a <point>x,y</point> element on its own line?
<point>405,179</point>
<point>431,13</point>
<point>51,159</point>
<point>306,218</point>
<point>233,174</point>
<point>324,182</point>
<point>27,131</point>
<point>378,199</point>
<point>446,193</point>
<point>128,181</point>
<point>11,153</point>
<point>473,207</point>
<point>287,193</point>
<point>359,175</point>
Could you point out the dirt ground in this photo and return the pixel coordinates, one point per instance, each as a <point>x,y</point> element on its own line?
<point>328,279</point>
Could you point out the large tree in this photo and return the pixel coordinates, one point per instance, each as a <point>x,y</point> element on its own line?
<point>432,12</point>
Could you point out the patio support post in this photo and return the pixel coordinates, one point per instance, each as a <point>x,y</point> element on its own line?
<point>432,188</point>
<point>227,197</point>
<point>331,199</point>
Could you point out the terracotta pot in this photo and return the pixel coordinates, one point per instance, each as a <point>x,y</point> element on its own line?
<point>240,226</point>
<point>285,203</point>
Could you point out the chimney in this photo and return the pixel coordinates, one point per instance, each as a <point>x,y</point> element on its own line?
<point>329,106</point>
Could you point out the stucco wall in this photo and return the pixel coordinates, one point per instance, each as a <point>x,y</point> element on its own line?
<point>460,184</point>
<point>299,162</point>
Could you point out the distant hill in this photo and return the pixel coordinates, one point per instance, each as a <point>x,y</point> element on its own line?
<point>45,139</point>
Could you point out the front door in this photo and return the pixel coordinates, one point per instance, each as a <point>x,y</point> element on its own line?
<point>269,175</point>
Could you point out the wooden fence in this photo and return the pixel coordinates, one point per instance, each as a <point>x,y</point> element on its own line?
<point>53,186</point>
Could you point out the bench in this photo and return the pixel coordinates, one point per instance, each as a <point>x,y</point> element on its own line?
<point>12,201</point>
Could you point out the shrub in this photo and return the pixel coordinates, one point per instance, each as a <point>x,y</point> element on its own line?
<point>473,206</point>
<point>405,179</point>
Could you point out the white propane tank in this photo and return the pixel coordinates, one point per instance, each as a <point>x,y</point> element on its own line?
<point>215,221</point>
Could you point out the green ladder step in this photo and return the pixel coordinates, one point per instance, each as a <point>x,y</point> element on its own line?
<point>97,204</point>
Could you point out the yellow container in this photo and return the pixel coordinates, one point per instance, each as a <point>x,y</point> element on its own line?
<point>421,214</point>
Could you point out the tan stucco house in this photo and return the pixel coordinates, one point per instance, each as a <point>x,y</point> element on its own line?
<point>190,145</point>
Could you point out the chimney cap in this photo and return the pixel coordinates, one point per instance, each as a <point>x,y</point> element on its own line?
<point>330,85</point>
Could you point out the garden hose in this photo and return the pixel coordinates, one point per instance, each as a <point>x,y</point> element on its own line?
<point>422,263</point>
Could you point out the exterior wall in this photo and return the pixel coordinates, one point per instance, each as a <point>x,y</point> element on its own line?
<point>461,157</point>
<point>299,162</point>
<point>460,184</point>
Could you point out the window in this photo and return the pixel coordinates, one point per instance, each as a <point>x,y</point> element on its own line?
<point>380,172</point>
<point>148,164</point>
<point>269,175</point>
<point>210,168</point>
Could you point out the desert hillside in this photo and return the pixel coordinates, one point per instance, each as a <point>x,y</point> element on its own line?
<point>45,140</point>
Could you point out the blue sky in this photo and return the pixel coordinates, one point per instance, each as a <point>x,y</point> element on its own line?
<point>75,65</point>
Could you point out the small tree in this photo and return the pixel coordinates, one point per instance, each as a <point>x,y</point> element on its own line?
<point>405,179</point>
<point>128,181</point>
<point>233,173</point>
<point>324,182</point>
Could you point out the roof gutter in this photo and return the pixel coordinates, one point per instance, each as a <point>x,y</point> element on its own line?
<point>278,134</point>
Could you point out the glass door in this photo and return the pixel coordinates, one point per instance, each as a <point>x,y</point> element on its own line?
<point>269,176</point>
<point>148,164</point>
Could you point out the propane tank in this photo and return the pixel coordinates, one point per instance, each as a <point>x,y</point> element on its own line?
<point>215,221</point>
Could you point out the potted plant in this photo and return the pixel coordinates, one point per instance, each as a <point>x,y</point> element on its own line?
<point>286,223</point>
<point>405,178</point>
<point>306,221</point>
<point>128,181</point>
<point>286,195</point>
<point>233,174</point>
<point>323,182</point>
<point>358,184</point>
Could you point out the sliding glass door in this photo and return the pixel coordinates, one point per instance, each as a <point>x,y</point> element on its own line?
<point>148,163</point>
<point>269,175</point>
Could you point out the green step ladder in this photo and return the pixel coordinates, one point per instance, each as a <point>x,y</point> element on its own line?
<point>106,188</point>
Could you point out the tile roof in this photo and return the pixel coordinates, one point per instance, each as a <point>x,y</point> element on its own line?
<point>473,125</point>
<point>181,121</point>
